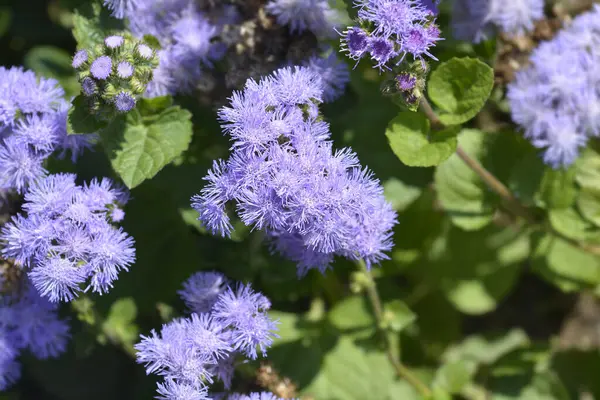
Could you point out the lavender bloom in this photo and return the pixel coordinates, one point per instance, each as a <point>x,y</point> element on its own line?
<point>201,290</point>
<point>124,102</point>
<point>254,396</point>
<point>473,20</point>
<point>316,16</point>
<point>101,67</point>
<point>397,28</point>
<point>285,178</point>
<point>80,58</point>
<point>23,90</point>
<point>406,82</point>
<point>557,106</point>
<point>124,70</point>
<point>120,8</point>
<point>10,370</point>
<point>144,51</point>
<point>19,166</point>
<point>114,41</point>
<point>88,86</point>
<point>67,238</point>
<point>191,352</point>
<point>333,72</point>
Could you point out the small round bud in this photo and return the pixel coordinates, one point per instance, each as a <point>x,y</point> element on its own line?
<point>101,67</point>
<point>124,70</point>
<point>80,58</point>
<point>88,86</point>
<point>124,102</point>
<point>145,51</point>
<point>406,82</point>
<point>112,42</point>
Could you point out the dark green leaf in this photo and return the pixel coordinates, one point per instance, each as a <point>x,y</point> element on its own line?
<point>80,121</point>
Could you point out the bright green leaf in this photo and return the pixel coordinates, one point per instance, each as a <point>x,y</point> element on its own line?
<point>460,87</point>
<point>568,222</point>
<point>140,147</point>
<point>454,375</point>
<point>588,203</point>
<point>399,194</point>
<point>557,189</point>
<point>119,326</point>
<point>487,351</point>
<point>413,142</point>
<point>351,313</point>
<point>462,194</point>
<point>397,315</point>
<point>565,265</point>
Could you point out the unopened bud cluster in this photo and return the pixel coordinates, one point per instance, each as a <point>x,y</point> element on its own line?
<point>115,73</point>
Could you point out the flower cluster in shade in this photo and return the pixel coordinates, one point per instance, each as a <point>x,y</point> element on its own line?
<point>66,240</point>
<point>114,74</point>
<point>474,20</point>
<point>186,35</point>
<point>253,396</point>
<point>557,102</point>
<point>33,125</point>
<point>285,178</point>
<point>30,323</point>
<point>227,322</point>
<point>316,16</point>
<point>389,30</point>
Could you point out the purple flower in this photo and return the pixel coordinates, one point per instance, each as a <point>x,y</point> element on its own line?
<point>124,70</point>
<point>254,396</point>
<point>144,51</point>
<point>392,17</point>
<point>316,16</point>
<point>67,238</point>
<point>114,41</point>
<point>356,42</point>
<point>406,82</point>
<point>201,290</point>
<point>120,8</point>
<point>381,50</point>
<point>28,93</point>
<point>554,102</point>
<point>19,165</point>
<point>473,20</point>
<point>101,67</point>
<point>312,202</point>
<point>88,86</point>
<point>80,58</point>
<point>124,102</point>
<point>333,73</point>
<point>172,390</point>
<point>37,131</point>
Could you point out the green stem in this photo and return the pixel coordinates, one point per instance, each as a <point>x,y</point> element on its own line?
<point>512,203</point>
<point>402,371</point>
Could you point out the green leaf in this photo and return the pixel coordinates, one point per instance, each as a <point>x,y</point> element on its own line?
<point>349,372</point>
<point>92,23</point>
<point>139,147</point>
<point>462,194</point>
<point>565,265</point>
<point>415,145</point>
<point>487,351</point>
<point>119,326</point>
<point>399,194</point>
<point>588,171</point>
<point>588,203</point>
<point>454,375</point>
<point>525,178</point>
<point>557,189</point>
<point>80,121</point>
<point>568,222</point>
<point>460,87</point>
<point>6,16</point>
<point>397,315</point>
<point>53,62</point>
<point>351,313</point>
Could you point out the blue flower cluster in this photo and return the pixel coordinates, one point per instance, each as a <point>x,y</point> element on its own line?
<point>27,322</point>
<point>286,179</point>
<point>186,36</point>
<point>556,102</point>
<point>334,74</point>
<point>189,353</point>
<point>254,396</point>
<point>473,20</point>
<point>67,239</point>
<point>33,124</point>
<point>389,30</point>
<point>316,16</point>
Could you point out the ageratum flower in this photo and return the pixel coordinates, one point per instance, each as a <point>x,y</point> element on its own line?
<point>28,322</point>
<point>189,353</point>
<point>66,240</point>
<point>474,20</point>
<point>396,28</point>
<point>315,16</point>
<point>254,396</point>
<point>33,124</point>
<point>557,103</point>
<point>313,202</point>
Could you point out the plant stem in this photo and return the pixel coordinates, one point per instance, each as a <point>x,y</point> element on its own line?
<point>498,187</point>
<point>402,371</point>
